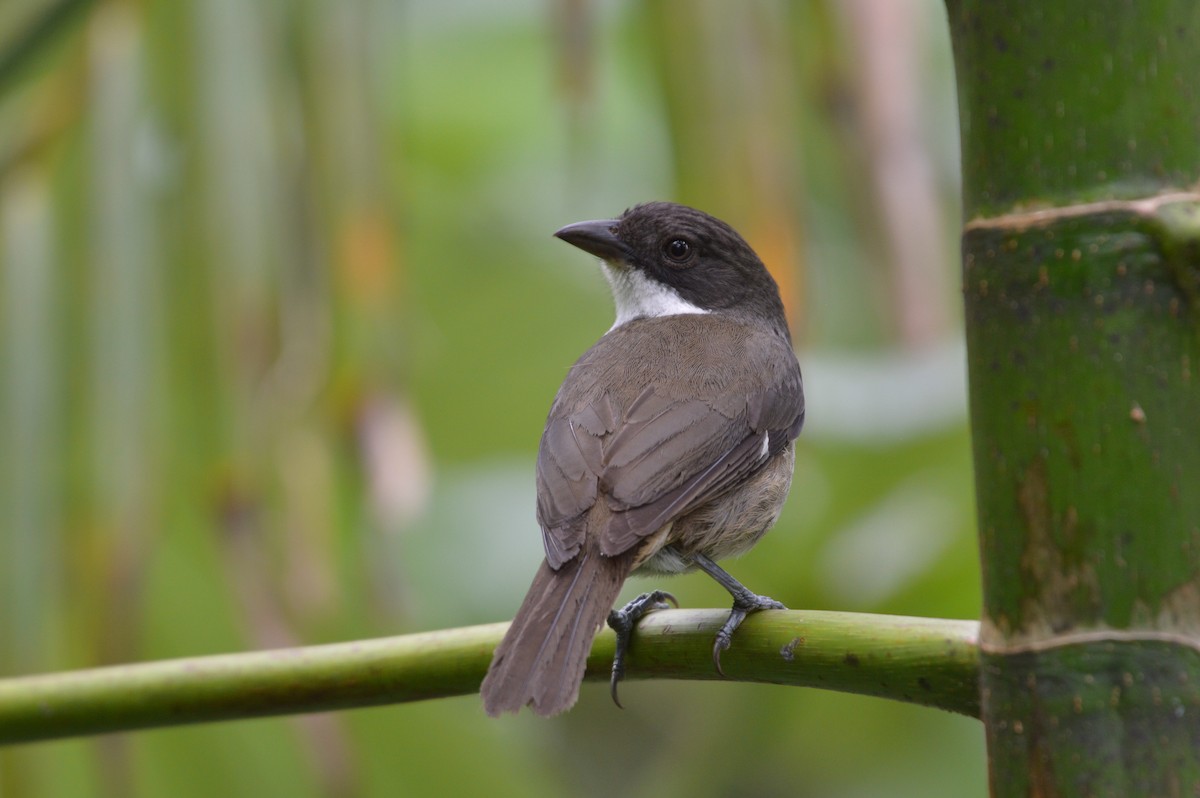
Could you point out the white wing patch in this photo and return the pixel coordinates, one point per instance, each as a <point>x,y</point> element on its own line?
<point>637,296</point>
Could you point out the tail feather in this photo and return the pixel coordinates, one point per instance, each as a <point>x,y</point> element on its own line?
<point>540,661</point>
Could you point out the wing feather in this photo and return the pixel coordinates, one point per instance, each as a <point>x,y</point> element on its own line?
<point>652,449</point>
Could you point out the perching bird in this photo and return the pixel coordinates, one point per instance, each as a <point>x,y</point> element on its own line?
<point>669,445</point>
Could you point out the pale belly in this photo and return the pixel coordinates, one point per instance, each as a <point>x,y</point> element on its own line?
<point>725,527</point>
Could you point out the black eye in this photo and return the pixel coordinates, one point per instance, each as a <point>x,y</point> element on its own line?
<point>677,249</point>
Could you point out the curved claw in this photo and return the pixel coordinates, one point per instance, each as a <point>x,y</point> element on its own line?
<point>622,622</point>
<point>725,637</point>
<point>612,687</point>
<point>718,647</point>
<point>743,605</point>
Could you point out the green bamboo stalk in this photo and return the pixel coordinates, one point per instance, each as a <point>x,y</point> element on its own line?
<point>29,432</point>
<point>922,661</point>
<point>1080,125</point>
<point>123,385</point>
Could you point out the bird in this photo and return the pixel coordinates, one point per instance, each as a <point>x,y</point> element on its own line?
<point>669,446</point>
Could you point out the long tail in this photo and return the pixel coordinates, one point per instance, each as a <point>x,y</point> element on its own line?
<point>540,661</point>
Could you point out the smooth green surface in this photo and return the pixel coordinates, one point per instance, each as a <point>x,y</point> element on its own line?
<point>917,660</point>
<point>1083,344</point>
<point>1067,102</point>
<point>1133,718</point>
<point>927,661</point>
<point>1079,129</point>
<point>1083,337</point>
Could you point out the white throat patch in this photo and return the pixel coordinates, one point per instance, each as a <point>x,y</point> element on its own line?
<point>637,296</point>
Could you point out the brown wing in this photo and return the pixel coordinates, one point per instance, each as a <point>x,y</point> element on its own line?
<point>656,449</point>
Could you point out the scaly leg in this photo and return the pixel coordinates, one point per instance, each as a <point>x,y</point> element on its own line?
<point>744,603</point>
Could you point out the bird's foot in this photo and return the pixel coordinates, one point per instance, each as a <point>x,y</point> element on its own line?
<point>622,622</point>
<point>744,603</point>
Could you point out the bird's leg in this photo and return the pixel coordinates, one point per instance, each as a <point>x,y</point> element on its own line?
<point>622,622</point>
<point>744,603</point>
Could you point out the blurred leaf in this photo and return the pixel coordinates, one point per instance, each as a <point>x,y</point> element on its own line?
<point>294,259</point>
<point>38,33</point>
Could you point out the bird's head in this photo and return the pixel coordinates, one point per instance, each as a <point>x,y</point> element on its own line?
<point>663,259</point>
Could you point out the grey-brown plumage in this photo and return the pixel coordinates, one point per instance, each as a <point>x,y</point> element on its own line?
<point>670,439</point>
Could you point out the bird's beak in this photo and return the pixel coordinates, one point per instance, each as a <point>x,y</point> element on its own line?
<point>595,237</point>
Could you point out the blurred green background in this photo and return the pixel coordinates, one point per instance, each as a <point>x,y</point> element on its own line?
<point>281,317</point>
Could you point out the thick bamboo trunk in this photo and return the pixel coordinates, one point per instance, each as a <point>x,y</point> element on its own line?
<point>1081,265</point>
